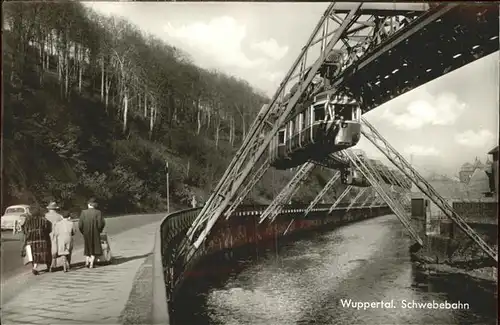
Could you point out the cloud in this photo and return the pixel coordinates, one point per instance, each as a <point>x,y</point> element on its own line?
<point>421,151</point>
<point>429,110</point>
<point>273,77</point>
<point>475,139</point>
<point>271,48</point>
<point>221,38</point>
<point>107,8</point>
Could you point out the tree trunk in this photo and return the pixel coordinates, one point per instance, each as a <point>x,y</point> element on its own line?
<point>217,132</point>
<point>102,78</point>
<point>151,121</point>
<point>80,70</point>
<point>66,71</point>
<point>108,85</point>
<point>231,131</point>
<point>198,119</point>
<point>125,109</point>
<point>243,126</point>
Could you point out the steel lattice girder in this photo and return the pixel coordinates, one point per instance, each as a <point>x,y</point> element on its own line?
<point>375,180</point>
<point>370,195</point>
<point>258,139</point>
<point>247,188</point>
<point>264,128</point>
<point>395,181</point>
<point>344,32</point>
<point>287,192</point>
<point>450,35</point>
<point>334,205</point>
<point>363,190</point>
<point>323,191</point>
<point>378,141</point>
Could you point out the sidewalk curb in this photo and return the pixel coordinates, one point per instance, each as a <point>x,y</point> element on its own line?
<point>138,309</point>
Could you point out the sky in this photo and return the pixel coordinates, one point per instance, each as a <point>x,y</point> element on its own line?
<point>440,125</point>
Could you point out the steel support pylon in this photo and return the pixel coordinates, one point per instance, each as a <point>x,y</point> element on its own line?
<point>343,195</point>
<point>378,141</point>
<point>373,177</point>
<point>360,32</point>
<point>266,125</point>
<point>247,188</point>
<point>356,198</point>
<point>287,193</point>
<point>322,193</point>
<point>370,195</point>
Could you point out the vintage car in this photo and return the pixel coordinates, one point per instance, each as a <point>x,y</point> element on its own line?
<point>15,215</point>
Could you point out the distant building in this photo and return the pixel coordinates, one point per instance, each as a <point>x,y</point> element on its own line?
<point>466,172</point>
<point>494,170</point>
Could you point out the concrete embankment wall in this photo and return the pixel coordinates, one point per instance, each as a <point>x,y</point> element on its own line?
<point>450,250</point>
<point>241,230</point>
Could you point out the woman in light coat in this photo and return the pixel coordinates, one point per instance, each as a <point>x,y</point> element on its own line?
<point>53,217</point>
<point>64,232</point>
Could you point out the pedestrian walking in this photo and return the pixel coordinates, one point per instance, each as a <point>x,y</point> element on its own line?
<point>53,217</point>
<point>91,224</point>
<point>64,232</point>
<point>37,241</point>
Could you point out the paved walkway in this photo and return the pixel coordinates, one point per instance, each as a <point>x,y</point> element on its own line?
<point>96,296</point>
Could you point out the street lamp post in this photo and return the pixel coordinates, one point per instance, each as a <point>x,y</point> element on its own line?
<point>168,187</point>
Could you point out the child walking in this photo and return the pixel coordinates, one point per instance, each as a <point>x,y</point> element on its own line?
<point>64,232</point>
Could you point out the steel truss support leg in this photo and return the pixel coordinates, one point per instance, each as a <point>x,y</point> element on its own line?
<point>394,180</point>
<point>287,193</point>
<point>322,193</point>
<point>368,197</point>
<point>247,188</point>
<point>375,180</point>
<point>378,141</point>
<point>356,198</point>
<point>264,128</point>
<point>343,195</point>
<point>376,201</point>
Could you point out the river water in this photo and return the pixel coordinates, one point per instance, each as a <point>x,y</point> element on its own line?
<point>308,280</point>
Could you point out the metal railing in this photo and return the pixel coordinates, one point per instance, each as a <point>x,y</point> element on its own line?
<point>174,226</point>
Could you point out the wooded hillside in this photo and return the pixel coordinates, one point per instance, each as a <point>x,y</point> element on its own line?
<point>95,107</point>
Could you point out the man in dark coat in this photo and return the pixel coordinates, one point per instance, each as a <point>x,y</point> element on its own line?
<point>91,224</point>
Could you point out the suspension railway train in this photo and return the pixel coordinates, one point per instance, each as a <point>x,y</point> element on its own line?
<point>322,125</point>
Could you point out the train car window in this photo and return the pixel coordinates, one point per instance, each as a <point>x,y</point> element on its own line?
<point>319,113</point>
<point>303,120</point>
<point>298,123</point>
<point>281,137</point>
<point>345,112</point>
<point>292,128</point>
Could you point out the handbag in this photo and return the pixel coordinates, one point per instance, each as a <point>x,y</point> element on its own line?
<point>28,254</point>
<point>106,249</point>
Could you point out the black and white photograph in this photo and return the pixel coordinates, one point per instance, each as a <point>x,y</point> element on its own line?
<point>249,163</point>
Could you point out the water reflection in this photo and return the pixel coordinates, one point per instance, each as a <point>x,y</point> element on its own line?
<point>307,280</point>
